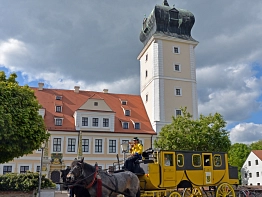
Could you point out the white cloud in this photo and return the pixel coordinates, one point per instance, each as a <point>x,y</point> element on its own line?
<point>246,133</point>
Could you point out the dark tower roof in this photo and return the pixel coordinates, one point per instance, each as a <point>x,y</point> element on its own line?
<point>168,21</point>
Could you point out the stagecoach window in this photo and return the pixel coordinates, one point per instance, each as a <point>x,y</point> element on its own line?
<point>168,159</point>
<point>217,160</point>
<point>112,146</point>
<point>85,145</point>
<point>71,145</point>
<point>57,145</point>
<point>180,160</point>
<point>98,145</point>
<point>7,169</point>
<point>23,169</point>
<point>207,160</point>
<point>196,160</point>
<point>84,121</point>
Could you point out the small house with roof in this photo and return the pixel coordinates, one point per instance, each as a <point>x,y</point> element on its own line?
<point>251,171</point>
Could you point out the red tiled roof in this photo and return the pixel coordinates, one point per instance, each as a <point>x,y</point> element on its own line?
<point>72,101</point>
<point>258,153</point>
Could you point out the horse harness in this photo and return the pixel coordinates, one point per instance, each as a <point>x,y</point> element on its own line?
<point>96,177</point>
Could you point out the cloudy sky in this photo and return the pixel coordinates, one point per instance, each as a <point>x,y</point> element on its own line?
<point>95,44</point>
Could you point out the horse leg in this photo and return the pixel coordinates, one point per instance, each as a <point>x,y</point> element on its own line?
<point>138,193</point>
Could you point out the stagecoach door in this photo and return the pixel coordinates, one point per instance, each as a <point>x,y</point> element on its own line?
<point>207,168</point>
<point>168,175</point>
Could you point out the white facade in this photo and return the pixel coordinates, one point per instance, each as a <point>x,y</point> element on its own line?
<point>251,171</point>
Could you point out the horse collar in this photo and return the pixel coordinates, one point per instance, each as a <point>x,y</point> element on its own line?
<point>94,179</point>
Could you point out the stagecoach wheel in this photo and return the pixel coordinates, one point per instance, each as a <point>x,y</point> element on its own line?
<point>174,194</point>
<point>225,190</point>
<point>192,192</point>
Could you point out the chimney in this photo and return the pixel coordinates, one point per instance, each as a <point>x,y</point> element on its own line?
<point>40,86</point>
<point>77,89</point>
<point>105,90</point>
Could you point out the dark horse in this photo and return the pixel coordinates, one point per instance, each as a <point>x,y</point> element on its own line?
<point>126,183</point>
<point>78,191</point>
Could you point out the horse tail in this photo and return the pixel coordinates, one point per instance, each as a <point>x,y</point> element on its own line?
<point>138,193</point>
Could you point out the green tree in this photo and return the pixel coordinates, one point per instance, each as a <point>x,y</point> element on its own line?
<point>238,154</point>
<point>203,134</point>
<point>22,129</point>
<point>256,145</point>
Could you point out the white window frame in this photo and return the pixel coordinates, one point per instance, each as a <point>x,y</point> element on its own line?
<point>117,149</point>
<point>7,164</point>
<point>60,108</point>
<point>108,122</point>
<point>94,145</point>
<point>76,144</point>
<point>126,111</point>
<point>58,97</point>
<point>52,143</point>
<point>23,164</point>
<point>135,125</point>
<point>174,67</point>
<point>123,102</point>
<point>61,121</point>
<point>123,125</point>
<point>89,145</point>
<point>173,48</point>
<point>88,119</point>
<point>177,88</point>
<point>97,122</point>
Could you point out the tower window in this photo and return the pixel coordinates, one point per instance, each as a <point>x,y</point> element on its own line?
<point>146,73</point>
<point>176,50</point>
<point>146,57</point>
<point>178,92</point>
<point>146,97</point>
<point>177,67</point>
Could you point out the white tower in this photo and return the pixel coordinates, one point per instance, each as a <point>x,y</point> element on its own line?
<point>167,65</point>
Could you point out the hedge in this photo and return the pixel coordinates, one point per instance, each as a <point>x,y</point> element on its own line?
<point>23,182</point>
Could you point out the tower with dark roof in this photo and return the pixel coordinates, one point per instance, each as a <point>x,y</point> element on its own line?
<point>167,64</point>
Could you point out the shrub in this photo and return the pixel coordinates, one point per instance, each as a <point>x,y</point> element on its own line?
<point>23,182</point>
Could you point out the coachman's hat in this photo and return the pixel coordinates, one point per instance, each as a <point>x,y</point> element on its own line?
<point>135,138</point>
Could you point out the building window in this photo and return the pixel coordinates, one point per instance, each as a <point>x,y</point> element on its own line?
<point>146,97</point>
<point>245,175</point>
<point>98,145</point>
<point>125,125</point>
<point>57,145</point>
<point>84,121</point>
<point>112,146</point>
<point>58,121</point>
<point>177,67</point>
<point>250,175</point>
<point>178,112</point>
<point>58,108</point>
<point>146,73</point>
<point>146,57</point>
<point>176,50</point>
<point>71,145</point>
<point>249,163</point>
<point>58,98</point>
<point>85,145</point>
<point>95,103</point>
<point>178,92</point>
<point>137,125</point>
<point>7,169</point>
<point>127,112</point>
<point>95,122</point>
<point>24,169</point>
<point>105,122</point>
<point>124,102</point>
<point>257,174</point>
<point>256,162</point>
<point>37,168</point>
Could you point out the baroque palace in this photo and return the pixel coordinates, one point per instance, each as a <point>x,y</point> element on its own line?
<point>93,125</point>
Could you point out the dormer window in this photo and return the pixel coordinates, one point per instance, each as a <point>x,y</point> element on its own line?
<point>127,112</point>
<point>125,125</point>
<point>137,125</point>
<point>58,108</point>
<point>58,121</point>
<point>95,103</point>
<point>124,102</point>
<point>58,98</point>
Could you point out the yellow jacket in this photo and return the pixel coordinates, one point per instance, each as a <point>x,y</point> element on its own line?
<point>137,148</point>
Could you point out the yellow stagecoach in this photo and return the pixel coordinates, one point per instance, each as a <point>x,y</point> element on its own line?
<point>186,173</point>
